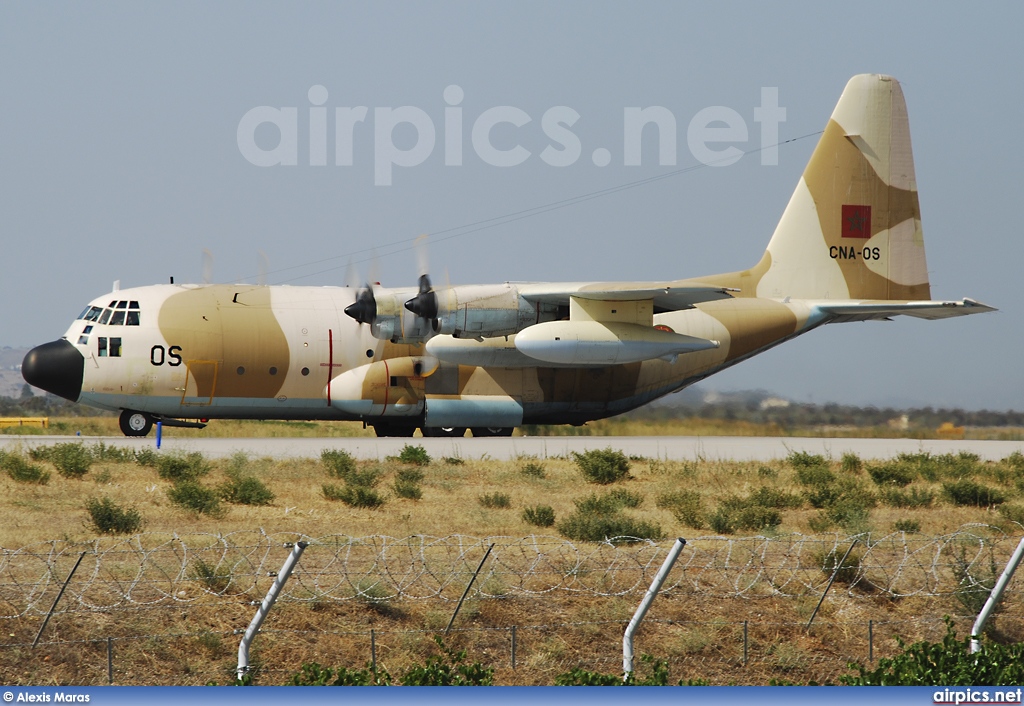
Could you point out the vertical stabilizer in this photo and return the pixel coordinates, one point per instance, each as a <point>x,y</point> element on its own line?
<point>852,229</point>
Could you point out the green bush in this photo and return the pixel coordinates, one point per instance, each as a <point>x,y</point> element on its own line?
<point>814,476</point>
<point>214,578</point>
<point>312,674</point>
<point>182,467</point>
<point>21,470</point>
<point>407,483</point>
<point>1014,462</point>
<point>190,495</point>
<point>533,469</point>
<point>146,457</point>
<point>656,675</point>
<point>112,454</point>
<point>586,527</point>
<point>495,500</point>
<point>414,455</point>
<point>968,492</point>
<point>448,669</point>
<point>949,663</point>
<point>245,490</point>
<point>914,497</point>
<point>602,466</point>
<point>339,464</point>
<point>686,505</point>
<point>107,517</point>
<point>850,463</point>
<point>908,526</point>
<point>1013,513</point>
<point>540,516</point>
<point>802,459</point>
<point>767,496</point>
<point>849,572</point>
<point>892,474</point>
<point>451,461</point>
<point>354,495</point>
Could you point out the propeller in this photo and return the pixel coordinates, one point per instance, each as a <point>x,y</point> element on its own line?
<point>424,304</point>
<point>364,308</point>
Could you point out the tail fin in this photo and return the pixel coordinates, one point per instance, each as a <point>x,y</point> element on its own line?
<point>852,229</point>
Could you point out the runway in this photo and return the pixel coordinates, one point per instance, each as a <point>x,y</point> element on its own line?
<point>677,448</point>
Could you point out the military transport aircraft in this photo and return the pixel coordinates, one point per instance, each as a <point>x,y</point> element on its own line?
<point>849,247</point>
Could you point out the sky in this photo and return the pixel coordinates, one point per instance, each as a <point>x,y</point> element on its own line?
<point>131,141</point>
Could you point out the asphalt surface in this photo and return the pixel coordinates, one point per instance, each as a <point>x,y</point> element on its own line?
<point>738,448</point>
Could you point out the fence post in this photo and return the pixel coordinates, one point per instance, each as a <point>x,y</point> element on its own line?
<point>110,660</point>
<point>513,647</point>
<point>832,578</point>
<point>373,653</point>
<point>645,604</point>
<point>59,594</point>
<point>745,643</point>
<point>468,586</point>
<point>268,603</point>
<point>871,640</point>
<point>994,596</point>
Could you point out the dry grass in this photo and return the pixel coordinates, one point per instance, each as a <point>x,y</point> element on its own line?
<point>704,641</point>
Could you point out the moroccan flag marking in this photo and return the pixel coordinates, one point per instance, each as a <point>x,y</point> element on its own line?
<point>856,221</point>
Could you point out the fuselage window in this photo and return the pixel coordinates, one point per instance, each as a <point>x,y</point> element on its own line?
<point>83,340</point>
<point>106,316</point>
<point>115,347</point>
<point>132,318</point>
<point>102,348</point>
<point>117,319</point>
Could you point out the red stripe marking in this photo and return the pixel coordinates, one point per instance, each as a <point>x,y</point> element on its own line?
<point>330,363</point>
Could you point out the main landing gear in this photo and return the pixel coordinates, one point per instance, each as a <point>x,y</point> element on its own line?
<point>135,423</point>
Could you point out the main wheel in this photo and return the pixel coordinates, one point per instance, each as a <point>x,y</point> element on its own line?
<point>444,431</point>
<point>493,431</point>
<point>135,423</point>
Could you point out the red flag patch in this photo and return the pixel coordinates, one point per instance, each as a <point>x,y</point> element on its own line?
<point>856,221</point>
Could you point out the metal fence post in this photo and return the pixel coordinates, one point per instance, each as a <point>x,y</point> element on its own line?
<point>746,643</point>
<point>373,653</point>
<point>60,593</point>
<point>268,603</point>
<point>513,647</point>
<point>468,586</point>
<point>994,596</point>
<point>645,604</point>
<point>871,640</point>
<point>831,580</point>
<point>110,660</point>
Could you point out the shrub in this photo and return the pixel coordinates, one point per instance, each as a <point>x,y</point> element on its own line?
<point>908,526</point>
<point>451,461</point>
<point>338,463</point>
<point>495,500</point>
<point>1014,462</point>
<point>625,498</point>
<point>974,583</point>
<point>914,497</point>
<point>685,505</point>
<point>354,495</point>
<point>448,669</point>
<point>214,578</point>
<point>802,459</point>
<point>533,469</point>
<point>146,457</point>
<point>110,453</point>
<point>767,496</point>
<point>767,472</point>
<point>602,466</point>
<point>949,662</point>
<point>312,674</point>
<point>540,516</point>
<point>21,470</point>
<point>585,527</point>
<point>892,474</point>
<point>245,490</point>
<point>967,492</point>
<point>414,455</point>
<point>849,572</point>
<point>182,467</point>
<point>657,676</point>
<point>107,517</point>
<point>407,490</point>
<point>190,495</point>
<point>814,476</point>
<point>850,463</point>
<point>1013,513</point>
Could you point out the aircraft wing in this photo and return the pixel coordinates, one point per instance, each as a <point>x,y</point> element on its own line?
<point>880,310</point>
<point>667,296</point>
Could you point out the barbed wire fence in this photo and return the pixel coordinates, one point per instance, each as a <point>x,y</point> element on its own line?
<point>155,571</point>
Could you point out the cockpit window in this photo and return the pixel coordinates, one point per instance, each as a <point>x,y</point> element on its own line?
<point>105,317</point>
<point>132,319</point>
<point>117,319</point>
<point>84,312</point>
<point>92,313</point>
<point>122,305</point>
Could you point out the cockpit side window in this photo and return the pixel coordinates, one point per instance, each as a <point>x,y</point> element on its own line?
<point>93,313</point>
<point>106,316</point>
<point>84,312</point>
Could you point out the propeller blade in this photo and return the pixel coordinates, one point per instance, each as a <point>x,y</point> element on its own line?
<point>424,304</point>
<point>364,308</point>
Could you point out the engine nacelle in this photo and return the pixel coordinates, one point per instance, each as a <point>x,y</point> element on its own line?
<point>483,311</point>
<point>394,323</point>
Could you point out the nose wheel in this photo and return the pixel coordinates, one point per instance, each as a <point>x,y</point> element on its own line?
<point>135,423</point>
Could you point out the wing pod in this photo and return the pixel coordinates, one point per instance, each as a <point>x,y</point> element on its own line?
<point>604,343</point>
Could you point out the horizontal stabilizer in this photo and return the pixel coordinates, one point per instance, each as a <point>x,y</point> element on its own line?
<point>868,310</point>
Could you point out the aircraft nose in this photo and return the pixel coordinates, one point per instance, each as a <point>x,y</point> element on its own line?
<point>56,367</point>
